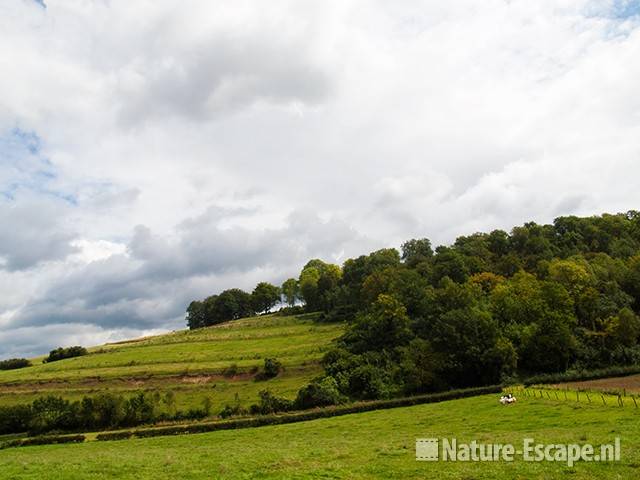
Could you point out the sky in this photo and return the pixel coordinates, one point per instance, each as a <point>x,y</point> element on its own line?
<point>153,152</point>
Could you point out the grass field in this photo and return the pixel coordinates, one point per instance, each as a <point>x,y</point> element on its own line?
<point>376,444</point>
<point>190,363</point>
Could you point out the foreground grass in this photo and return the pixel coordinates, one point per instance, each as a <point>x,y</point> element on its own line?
<point>377,444</point>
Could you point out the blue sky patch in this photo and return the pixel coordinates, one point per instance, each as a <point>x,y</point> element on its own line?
<point>25,167</point>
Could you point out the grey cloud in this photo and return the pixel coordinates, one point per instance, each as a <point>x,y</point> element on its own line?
<point>32,233</point>
<point>223,75</point>
<point>33,341</point>
<point>152,285</point>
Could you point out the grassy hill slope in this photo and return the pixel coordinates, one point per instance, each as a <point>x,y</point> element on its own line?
<point>193,364</point>
<point>369,445</point>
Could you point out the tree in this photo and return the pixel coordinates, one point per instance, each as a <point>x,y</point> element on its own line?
<point>316,279</point>
<point>574,275</point>
<point>291,291</point>
<point>624,328</point>
<point>230,305</point>
<point>384,327</point>
<point>416,251</point>
<point>196,315</point>
<point>264,297</point>
<point>473,349</point>
<point>449,263</point>
<point>61,353</point>
<point>419,367</point>
<point>355,271</point>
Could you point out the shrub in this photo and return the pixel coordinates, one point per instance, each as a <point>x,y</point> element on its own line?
<point>53,413</point>
<point>288,311</point>
<point>61,353</point>
<point>275,419</point>
<point>14,363</point>
<point>15,418</point>
<point>44,440</point>
<point>231,370</point>
<point>270,369</point>
<point>114,436</point>
<point>269,403</point>
<point>321,392</point>
<point>232,411</point>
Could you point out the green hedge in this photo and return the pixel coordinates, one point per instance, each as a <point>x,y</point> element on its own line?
<point>302,416</point>
<point>579,375</point>
<point>114,436</point>
<point>43,440</point>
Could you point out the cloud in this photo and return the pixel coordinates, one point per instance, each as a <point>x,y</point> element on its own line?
<point>151,153</point>
<point>220,76</point>
<point>150,285</point>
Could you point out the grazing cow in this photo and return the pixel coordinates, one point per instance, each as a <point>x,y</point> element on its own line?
<point>507,399</point>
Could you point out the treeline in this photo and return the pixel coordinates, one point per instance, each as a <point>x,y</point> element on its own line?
<point>14,363</point>
<point>61,353</point>
<point>56,354</point>
<point>232,304</point>
<point>104,411</point>
<point>490,307</point>
<point>280,419</point>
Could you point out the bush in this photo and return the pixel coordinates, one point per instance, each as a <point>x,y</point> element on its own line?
<point>14,363</point>
<point>62,353</point>
<point>50,413</point>
<point>125,435</point>
<point>269,403</point>
<point>321,392</point>
<point>44,440</point>
<point>231,371</point>
<point>288,311</point>
<point>275,419</point>
<point>15,419</point>
<point>53,413</point>
<point>232,411</point>
<point>270,369</point>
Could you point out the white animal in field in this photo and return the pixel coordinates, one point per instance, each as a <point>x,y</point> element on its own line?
<point>507,399</point>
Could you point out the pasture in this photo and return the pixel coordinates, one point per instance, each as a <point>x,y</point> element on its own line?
<point>370,445</point>
<point>218,362</point>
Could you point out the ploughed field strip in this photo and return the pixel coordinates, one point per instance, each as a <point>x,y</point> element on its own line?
<point>193,364</point>
<point>629,384</point>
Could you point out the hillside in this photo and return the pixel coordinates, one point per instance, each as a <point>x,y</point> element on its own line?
<point>193,365</point>
<point>369,445</point>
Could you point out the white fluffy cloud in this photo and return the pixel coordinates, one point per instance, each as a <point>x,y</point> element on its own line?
<point>155,151</point>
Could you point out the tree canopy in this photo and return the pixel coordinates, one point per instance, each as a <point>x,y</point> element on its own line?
<point>537,299</point>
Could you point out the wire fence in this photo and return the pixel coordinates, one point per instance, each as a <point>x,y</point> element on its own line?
<point>617,399</point>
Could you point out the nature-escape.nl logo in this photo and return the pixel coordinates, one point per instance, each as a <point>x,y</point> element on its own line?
<point>449,450</point>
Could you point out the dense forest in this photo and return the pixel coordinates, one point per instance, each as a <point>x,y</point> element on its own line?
<point>489,308</point>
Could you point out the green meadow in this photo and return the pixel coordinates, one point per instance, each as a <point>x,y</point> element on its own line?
<point>370,445</point>
<point>192,364</point>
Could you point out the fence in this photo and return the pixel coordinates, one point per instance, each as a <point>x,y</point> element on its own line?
<point>619,399</point>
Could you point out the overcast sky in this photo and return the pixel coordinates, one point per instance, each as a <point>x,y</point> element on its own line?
<point>153,152</point>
